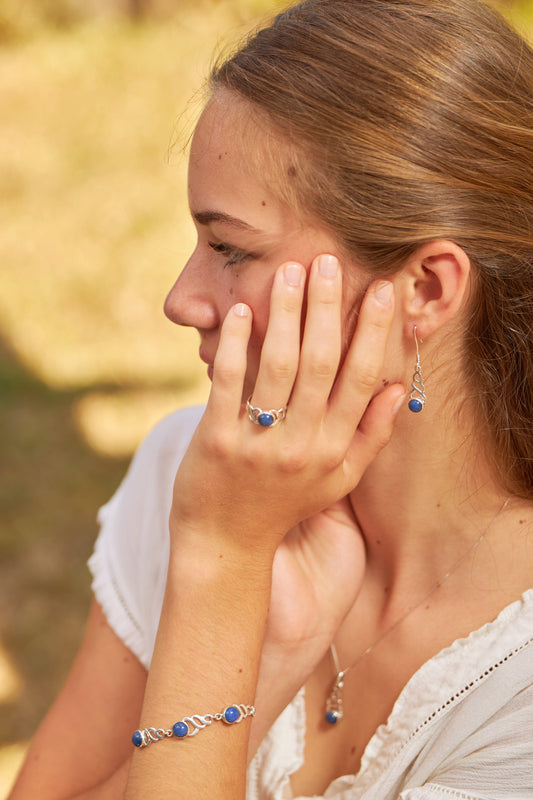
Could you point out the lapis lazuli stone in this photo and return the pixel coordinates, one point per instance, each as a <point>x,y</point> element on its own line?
<point>137,739</point>
<point>232,714</point>
<point>331,717</point>
<point>265,419</point>
<point>180,729</point>
<point>415,405</point>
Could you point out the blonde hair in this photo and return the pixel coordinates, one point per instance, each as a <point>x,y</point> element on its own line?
<point>414,121</point>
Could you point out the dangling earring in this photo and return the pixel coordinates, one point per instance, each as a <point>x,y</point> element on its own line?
<point>417,398</point>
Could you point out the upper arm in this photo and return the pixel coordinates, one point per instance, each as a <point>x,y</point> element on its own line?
<point>86,735</point>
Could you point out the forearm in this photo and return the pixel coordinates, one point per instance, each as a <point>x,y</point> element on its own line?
<point>280,679</point>
<point>111,789</point>
<point>206,658</point>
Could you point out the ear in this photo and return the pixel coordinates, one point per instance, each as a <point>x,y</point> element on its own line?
<point>434,285</point>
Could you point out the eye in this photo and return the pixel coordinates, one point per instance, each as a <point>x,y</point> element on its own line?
<point>232,254</point>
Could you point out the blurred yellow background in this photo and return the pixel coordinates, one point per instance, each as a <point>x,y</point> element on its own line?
<point>93,232</point>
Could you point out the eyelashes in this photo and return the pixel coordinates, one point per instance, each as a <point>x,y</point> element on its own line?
<point>232,255</point>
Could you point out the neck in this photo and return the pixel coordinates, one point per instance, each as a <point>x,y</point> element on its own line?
<point>424,501</point>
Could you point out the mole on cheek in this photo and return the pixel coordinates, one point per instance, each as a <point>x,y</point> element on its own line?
<point>263,202</point>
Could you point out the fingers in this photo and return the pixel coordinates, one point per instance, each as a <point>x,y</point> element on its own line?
<point>307,375</point>
<point>321,347</point>
<point>281,348</point>
<point>361,415</point>
<point>375,429</point>
<point>315,365</point>
<point>229,366</point>
<point>364,360</point>
<point>320,394</point>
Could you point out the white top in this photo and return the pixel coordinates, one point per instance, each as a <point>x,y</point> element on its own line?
<point>462,726</point>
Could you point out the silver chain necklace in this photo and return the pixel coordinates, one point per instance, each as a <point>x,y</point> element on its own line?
<point>334,711</point>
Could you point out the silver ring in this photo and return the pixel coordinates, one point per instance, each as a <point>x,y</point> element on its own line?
<point>267,419</point>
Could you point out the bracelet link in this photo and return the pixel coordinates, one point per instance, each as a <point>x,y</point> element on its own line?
<point>190,726</point>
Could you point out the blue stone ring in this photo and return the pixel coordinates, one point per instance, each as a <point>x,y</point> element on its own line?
<point>267,419</point>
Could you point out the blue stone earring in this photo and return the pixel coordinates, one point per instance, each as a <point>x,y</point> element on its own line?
<point>417,398</point>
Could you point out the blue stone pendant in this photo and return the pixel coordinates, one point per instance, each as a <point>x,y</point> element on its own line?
<point>334,702</point>
<point>415,405</point>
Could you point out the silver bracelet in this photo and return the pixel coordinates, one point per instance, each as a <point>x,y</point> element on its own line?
<point>189,726</point>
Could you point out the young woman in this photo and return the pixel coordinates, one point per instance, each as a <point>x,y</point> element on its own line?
<point>306,575</point>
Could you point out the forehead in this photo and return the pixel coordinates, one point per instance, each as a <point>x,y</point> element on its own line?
<point>222,124</point>
<point>237,161</point>
<point>225,145</point>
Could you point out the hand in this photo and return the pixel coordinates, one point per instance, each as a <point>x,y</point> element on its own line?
<point>243,487</point>
<point>317,573</point>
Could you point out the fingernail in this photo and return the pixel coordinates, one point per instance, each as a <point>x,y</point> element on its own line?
<point>327,266</point>
<point>398,404</point>
<point>292,274</point>
<point>383,292</point>
<point>241,310</point>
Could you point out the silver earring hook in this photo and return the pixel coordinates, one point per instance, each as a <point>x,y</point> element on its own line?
<point>417,398</point>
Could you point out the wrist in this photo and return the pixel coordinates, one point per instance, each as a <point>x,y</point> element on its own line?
<point>208,550</point>
<point>241,537</point>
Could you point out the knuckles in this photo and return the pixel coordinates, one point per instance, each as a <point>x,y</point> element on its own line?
<point>367,378</point>
<point>227,374</point>
<point>334,456</point>
<point>279,369</point>
<point>266,453</point>
<point>220,443</point>
<point>322,368</point>
<point>293,460</point>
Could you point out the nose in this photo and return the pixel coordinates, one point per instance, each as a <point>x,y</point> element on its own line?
<point>190,302</point>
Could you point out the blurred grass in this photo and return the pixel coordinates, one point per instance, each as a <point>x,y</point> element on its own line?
<point>93,232</point>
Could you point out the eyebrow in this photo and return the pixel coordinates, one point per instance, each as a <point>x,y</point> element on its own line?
<point>205,217</point>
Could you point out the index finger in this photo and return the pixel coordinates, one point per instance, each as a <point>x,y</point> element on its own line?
<point>229,368</point>
<point>364,360</point>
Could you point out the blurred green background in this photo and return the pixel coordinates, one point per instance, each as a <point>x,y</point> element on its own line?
<point>93,232</point>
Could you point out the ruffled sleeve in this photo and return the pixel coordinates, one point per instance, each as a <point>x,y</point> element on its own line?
<point>280,754</point>
<point>130,560</point>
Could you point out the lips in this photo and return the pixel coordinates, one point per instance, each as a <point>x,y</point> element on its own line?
<point>207,360</point>
<point>205,357</point>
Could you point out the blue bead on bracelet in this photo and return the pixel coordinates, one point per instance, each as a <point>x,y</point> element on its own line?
<point>189,726</point>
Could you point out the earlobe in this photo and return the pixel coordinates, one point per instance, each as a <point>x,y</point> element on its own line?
<point>437,278</point>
